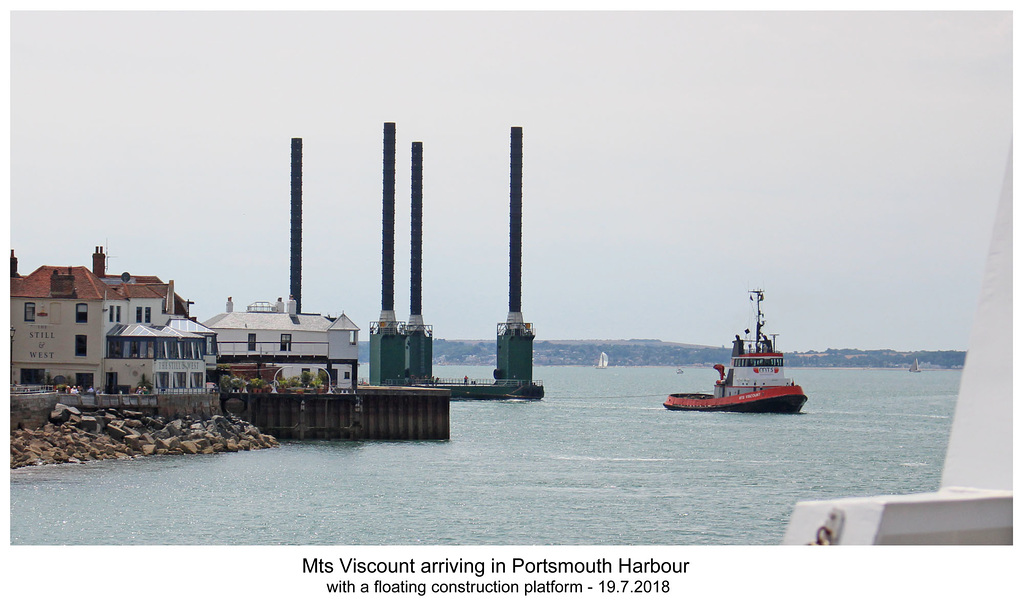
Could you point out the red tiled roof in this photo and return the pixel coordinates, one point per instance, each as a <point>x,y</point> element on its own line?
<point>37,284</point>
<point>88,286</point>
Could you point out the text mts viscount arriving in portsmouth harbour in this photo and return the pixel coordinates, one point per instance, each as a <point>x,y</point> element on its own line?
<point>756,382</point>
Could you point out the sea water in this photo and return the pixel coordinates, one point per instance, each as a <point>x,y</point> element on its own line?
<point>598,461</point>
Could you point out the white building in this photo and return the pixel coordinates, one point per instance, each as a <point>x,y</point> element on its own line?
<point>274,334</point>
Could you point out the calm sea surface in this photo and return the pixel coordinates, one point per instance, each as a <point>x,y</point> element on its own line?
<point>598,461</point>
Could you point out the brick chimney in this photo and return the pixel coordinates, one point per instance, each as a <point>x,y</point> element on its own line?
<point>169,301</point>
<point>14,265</point>
<point>62,285</point>
<point>99,262</point>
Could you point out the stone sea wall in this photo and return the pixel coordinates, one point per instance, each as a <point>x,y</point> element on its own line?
<point>73,436</point>
<point>32,410</point>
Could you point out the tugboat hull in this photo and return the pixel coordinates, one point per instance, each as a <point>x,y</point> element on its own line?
<point>774,400</point>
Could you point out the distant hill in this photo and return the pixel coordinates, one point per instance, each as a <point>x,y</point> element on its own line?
<point>649,352</point>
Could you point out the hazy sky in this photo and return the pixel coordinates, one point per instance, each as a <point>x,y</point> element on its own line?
<point>847,163</point>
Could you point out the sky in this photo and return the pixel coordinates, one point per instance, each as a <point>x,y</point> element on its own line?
<point>847,163</point>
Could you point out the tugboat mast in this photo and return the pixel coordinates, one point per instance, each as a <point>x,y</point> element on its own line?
<point>759,345</point>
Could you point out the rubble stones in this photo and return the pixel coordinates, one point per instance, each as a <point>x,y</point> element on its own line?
<point>75,437</point>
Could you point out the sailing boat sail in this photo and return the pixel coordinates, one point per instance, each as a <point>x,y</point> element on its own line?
<point>914,368</point>
<point>602,362</point>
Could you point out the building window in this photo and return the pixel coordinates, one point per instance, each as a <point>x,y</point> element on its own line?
<point>252,342</point>
<point>160,380</point>
<point>111,382</point>
<point>353,337</point>
<point>84,380</point>
<point>81,313</point>
<point>149,314</point>
<point>138,315</point>
<point>180,380</point>
<point>286,342</point>
<point>30,311</point>
<point>81,348</point>
<point>32,376</point>
<point>115,314</point>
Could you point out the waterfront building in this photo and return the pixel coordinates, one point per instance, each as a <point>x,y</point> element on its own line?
<point>64,320</point>
<point>166,359</point>
<point>274,340</point>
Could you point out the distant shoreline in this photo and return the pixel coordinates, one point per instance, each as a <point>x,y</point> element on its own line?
<point>610,367</point>
<point>655,353</point>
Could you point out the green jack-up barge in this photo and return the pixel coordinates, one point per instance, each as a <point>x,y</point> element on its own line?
<point>401,353</point>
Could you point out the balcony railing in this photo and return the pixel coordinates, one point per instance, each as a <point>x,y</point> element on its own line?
<point>443,382</point>
<point>523,329</point>
<point>269,349</point>
<point>387,327</point>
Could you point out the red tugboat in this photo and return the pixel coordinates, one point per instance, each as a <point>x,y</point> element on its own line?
<point>756,381</point>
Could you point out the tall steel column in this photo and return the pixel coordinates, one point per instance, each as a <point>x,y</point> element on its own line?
<point>388,364</point>
<point>387,302</point>
<point>296,228</point>
<point>515,337</point>
<point>419,337</point>
<point>416,285</point>
<point>515,223</point>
